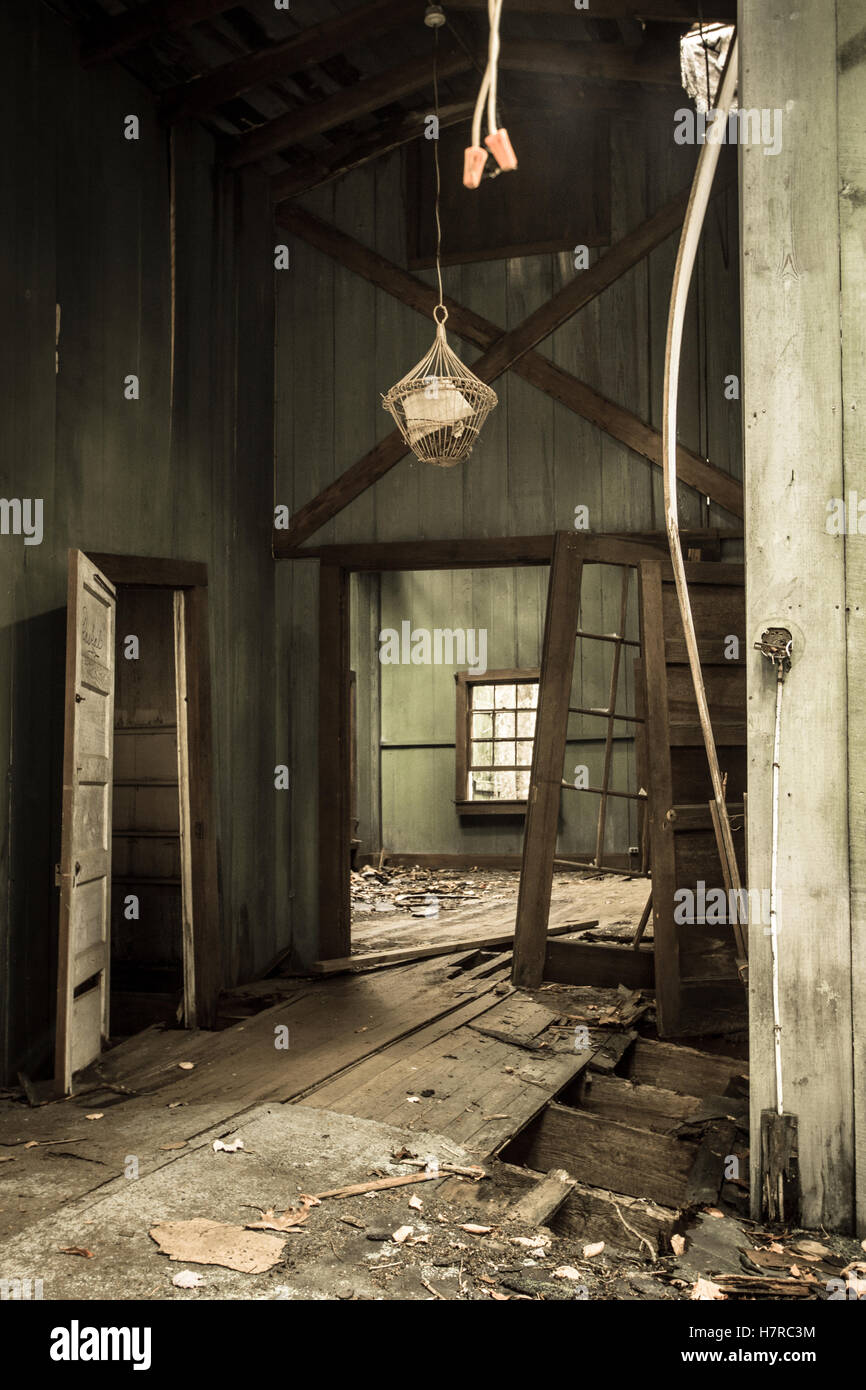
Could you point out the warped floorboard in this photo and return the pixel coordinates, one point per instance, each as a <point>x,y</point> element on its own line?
<point>469,1083</point>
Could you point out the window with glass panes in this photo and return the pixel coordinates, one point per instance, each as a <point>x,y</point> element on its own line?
<point>501,728</point>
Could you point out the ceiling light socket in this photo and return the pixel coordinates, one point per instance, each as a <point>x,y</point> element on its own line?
<point>434,16</point>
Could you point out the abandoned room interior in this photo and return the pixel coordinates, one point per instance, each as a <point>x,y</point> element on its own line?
<point>433,862</point>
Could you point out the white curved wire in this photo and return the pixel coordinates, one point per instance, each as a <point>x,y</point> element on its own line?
<point>488,89</point>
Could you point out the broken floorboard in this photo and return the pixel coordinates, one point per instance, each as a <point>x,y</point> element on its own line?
<point>586,1214</point>
<point>478,1090</point>
<point>451,943</point>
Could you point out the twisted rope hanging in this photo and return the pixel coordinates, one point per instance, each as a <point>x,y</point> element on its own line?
<point>440,405</point>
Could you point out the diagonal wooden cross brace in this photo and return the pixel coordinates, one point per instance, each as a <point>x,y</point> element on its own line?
<point>503,351</point>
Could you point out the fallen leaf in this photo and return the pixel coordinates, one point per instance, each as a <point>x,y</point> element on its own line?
<point>566,1272</point>
<point>6,1158</point>
<point>32,1144</point>
<point>474,1229</point>
<point>500,1297</point>
<point>863,1245</point>
<point>589,1251</point>
<point>714,1211</point>
<point>180,1144</point>
<point>413,1100</point>
<point>416,1204</point>
<point>705,1290</point>
<point>173,1104</point>
<point>98,1115</point>
<point>678,1244</point>
<point>531,1242</point>
<point>286,1221</point>
<point>76,1250</point>
<point>185,1279</point>
<point>203,1242</point>
<point>232,1148</point>
<point>186,1066</point>
<point>402,1233</point>
<point>812,1249</point>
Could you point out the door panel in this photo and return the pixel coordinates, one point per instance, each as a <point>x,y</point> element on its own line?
<point>85,857</point>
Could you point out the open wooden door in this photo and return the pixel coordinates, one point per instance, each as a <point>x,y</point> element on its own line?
<point>85,856</point>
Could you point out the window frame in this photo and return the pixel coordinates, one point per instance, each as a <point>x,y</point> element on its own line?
<point>463,681</point>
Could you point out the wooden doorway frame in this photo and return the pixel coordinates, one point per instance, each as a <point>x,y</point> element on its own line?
<point>202,953</point>
<point>336,564</point>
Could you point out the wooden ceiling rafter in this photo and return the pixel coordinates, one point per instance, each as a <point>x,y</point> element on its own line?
<point>371,94</point>
<point>653,64</point>
<point>502,351</point>
<point>303,50</point>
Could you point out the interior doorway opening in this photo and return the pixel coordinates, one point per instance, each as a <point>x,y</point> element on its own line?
<point>139,939</point>
<point>147,884</point>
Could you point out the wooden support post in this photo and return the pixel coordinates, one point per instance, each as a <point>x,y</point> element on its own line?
<point>548,756</point>
<point>334,768</point>
<point>665,943</point>
<point>802,394</point>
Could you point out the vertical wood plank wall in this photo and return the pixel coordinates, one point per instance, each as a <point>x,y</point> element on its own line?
<point>793,409</point>
<point>84,222</point>
<point>852,222</point>
<point>341,343</point>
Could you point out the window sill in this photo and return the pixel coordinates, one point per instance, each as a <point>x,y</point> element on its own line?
<point>490,808</point>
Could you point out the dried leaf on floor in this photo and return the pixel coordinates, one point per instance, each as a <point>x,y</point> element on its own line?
<point>76,1250</point>
<point>416,1204</point>
<point>220,1148</point>
<point>705,1291</point>
<point>286,1221</point>
<point>186,1066</point>
<point>474,1229</point>
<point>567,1272</point>
<point>678,1244</point>
<point>179,1144</point>
<point>186,1279</point>
<point>590,1251</point>
<point>402,1233</point>
<point>203,1242</point>
<point>98,1115</point>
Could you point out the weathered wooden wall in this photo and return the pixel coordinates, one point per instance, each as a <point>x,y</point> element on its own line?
<point>185,471</point>
<point>341,343</point>
<point>803,395</point>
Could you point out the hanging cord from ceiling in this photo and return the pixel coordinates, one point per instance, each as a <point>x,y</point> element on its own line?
<point>496,140</point>
<point>776,644</point>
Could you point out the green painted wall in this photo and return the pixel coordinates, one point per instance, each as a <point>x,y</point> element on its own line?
<point>185,471</point>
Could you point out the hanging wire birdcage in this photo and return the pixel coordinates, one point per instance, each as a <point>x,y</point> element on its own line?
<point>440,405</point>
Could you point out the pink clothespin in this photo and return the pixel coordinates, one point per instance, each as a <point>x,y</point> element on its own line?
<point>501,148</point>
<point>474,160</point>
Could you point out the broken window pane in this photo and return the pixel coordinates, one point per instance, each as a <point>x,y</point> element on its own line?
<point>500,713</point>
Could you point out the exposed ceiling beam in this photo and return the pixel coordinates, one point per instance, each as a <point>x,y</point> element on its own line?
<point>365,96</point>
<point>652,63</point>
<point>675,11</point>
<point>502,351</point>
<point>117,34</point>
<point>272,64</point>
<point>351,154</point>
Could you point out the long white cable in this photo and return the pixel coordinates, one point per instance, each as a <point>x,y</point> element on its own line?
<point>774,856</point>
<point>495,17</point>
